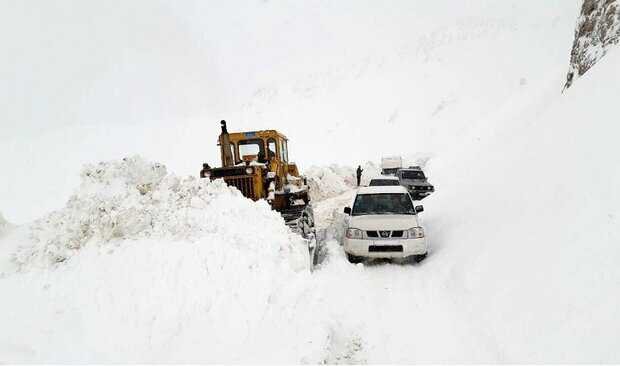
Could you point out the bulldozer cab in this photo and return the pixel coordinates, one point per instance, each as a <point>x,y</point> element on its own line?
<point>257,163</point>
<point>268,147</point>
<point>260,146</point>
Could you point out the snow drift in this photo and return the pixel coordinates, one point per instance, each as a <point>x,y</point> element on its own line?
<point>138,251</point>
<point>330,181</point>
<point>134,199</point>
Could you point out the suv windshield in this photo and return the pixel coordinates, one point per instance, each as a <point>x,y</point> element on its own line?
<point>384,182</point>
<point>413,174</point>
<point>383,204</point>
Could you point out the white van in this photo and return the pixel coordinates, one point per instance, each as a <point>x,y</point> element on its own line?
<point>391,164</point>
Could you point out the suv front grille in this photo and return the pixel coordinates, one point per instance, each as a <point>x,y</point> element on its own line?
<point>397,234</point>
<point>384,234</point>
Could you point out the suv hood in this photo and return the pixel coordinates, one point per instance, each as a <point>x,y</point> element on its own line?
<point>383,222</point>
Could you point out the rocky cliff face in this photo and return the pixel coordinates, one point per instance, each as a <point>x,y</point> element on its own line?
<point>598,28</point>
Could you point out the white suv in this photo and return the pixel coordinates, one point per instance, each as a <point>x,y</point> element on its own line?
<point>383,223</point>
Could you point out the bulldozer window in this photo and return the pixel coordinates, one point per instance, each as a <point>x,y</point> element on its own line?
<point>252,149</point>
<point>283,151</point>
<point>271,148</point>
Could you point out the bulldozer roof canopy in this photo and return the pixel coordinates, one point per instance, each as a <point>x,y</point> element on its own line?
<point>263,134</point>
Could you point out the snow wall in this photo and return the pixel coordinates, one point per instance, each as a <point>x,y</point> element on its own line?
<point>139,251</point>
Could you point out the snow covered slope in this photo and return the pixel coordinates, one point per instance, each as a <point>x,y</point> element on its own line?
<point>527,219</point>
<point>346,81</point>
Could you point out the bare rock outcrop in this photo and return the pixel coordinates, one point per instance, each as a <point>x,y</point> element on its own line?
<point>598,28</point>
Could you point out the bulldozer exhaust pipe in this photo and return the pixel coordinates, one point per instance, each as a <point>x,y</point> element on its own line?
<point>227,155</point>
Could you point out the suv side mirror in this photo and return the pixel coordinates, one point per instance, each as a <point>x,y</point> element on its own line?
<point>347,210</point>
<point>419,208</point>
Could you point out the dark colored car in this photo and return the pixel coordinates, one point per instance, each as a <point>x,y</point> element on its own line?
<point>416,182</point>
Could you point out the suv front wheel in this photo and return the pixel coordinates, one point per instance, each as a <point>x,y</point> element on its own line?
<point>354,259</point>
<point>417,258</point>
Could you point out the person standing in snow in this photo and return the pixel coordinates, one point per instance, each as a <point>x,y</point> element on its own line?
<point>359,174</point>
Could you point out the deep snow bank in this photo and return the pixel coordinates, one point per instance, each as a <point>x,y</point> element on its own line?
<point>135,199</point>
<point>330,181</point>
<point>526,223</point>
<point>143,265</point>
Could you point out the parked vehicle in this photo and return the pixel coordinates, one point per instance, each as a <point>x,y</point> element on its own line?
<point>391,164</point>
<point>415,181</point>
<point>383,223</point>
<point>384,180</point>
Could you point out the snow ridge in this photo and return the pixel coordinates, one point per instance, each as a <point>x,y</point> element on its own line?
<point>333,180</point>
<point>134,199</point>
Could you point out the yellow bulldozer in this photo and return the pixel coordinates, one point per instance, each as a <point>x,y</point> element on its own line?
<point>258,165</point>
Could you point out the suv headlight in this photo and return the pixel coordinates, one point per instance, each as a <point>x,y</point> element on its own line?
<point>354,233</point>
<point>415,233</point>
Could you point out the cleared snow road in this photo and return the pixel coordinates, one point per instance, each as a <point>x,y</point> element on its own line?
<point>383,312</point>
